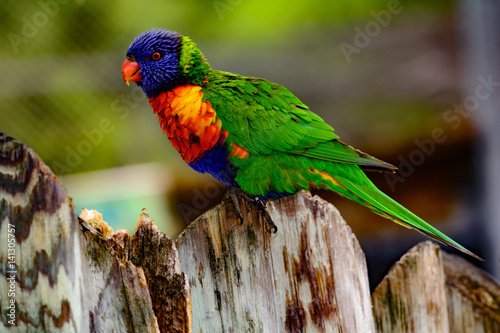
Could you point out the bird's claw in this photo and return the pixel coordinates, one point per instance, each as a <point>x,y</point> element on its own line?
<point>262,207</point>
<point>232,195</point>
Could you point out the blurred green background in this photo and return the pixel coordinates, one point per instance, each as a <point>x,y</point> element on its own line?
<point>382,73</point>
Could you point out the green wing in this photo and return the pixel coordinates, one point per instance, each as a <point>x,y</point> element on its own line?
<point>264,117</point>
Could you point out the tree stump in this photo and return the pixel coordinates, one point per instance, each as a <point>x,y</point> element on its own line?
<point>58,275</point>
<point>41,279</point>
<point>428,290</point>
<point>116,293</point>
<point>473,297</point>
<point>310,276</point>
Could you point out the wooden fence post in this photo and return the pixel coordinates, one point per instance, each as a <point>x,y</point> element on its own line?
<point>41,278</point>
<point>61,273</point>
<point>57,275</point>
<point>428,290</point>
<point>310,276</point>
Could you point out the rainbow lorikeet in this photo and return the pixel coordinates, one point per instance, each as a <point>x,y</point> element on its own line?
<point>252,134</point>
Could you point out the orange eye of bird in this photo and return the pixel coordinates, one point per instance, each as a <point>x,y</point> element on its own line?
<point>156,56</point>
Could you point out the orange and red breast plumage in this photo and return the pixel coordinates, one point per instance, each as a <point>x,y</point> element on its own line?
<point>190,123</point>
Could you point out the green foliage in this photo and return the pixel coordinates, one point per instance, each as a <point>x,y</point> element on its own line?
<point>61,63</point>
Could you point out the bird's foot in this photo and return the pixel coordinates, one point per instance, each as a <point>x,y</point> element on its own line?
<point>261,206</point>
<point>233,193</point>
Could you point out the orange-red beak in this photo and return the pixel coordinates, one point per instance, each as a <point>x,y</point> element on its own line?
<point>131,71</point>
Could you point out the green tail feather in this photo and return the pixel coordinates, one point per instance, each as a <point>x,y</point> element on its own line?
<point>366,194</point>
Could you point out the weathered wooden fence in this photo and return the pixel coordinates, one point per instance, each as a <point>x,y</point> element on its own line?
<point>62,273</point>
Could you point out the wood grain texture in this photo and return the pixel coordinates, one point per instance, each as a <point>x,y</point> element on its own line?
<point>411,297</point>
<point>473,297</point>
<point>154,252</point>
<point>308,277</point>
<point>48,287</point>
<point>67,276</point>
<point>428,290</point>
<point>220,275</point>
<point>116,292</point>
